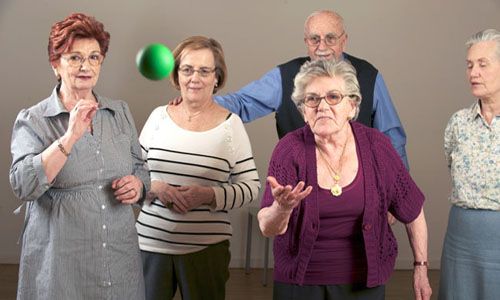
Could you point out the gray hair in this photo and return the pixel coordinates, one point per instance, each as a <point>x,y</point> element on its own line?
<point>330,13</point>
<point>484,36</point>
<point>325,68</point>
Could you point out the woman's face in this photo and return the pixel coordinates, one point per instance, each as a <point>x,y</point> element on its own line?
<point>77,75</point>
<point>483,70</point>
<point>197,74</point>
<point>326,119</point>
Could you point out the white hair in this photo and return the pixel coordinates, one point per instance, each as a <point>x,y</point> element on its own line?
<point>327,68</point>
<point>485,36</point>
<point>330,13</point>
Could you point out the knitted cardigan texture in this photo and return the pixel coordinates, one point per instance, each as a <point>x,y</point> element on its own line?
<point>388,187</point>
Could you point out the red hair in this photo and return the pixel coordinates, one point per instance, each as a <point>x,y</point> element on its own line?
<point>76,26</point>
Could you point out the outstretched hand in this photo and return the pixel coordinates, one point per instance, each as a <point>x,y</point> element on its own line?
<point>288,197</point>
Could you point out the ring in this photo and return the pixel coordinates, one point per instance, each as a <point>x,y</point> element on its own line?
<point>170,204</point>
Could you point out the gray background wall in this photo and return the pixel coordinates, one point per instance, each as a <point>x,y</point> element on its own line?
<point>418,46</point>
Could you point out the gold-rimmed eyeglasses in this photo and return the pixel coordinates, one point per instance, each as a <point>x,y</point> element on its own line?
<point>330,39</point>
<point>203,71</point>
<point>76,60</point>
<point>332,98</point>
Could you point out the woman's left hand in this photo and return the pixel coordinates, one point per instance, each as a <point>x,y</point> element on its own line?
<point>128,189</point>
<point>196,195</point>
<point>421,286</point>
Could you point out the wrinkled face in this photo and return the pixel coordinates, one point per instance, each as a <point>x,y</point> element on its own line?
<point>75,74</point>
<point>200,84</point>
<point>329,30</point>
<point>483,70</point>
<point>326,119</point>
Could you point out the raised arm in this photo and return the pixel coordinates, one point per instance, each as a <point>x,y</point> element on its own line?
<point>257,99</point>
<point>36,161</point>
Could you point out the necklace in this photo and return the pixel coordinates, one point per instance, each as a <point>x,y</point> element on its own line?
<point>336,189</point>
<point>191,116</point>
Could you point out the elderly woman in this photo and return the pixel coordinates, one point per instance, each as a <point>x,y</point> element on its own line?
<point>201,166</point>
<point>332,237</point>
<point>77,162</point>
<point>470,262</point>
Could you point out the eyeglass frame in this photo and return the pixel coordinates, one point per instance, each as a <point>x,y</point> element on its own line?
<point>329,35</point>
<point>317,97</point>
<point>82,59</point>
<point>201,71</point>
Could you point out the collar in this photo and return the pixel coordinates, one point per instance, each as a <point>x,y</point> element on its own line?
<point>475,110</point>
<point>55,106</point>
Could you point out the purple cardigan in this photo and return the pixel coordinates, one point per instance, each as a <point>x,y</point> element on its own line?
<point>388,187</point>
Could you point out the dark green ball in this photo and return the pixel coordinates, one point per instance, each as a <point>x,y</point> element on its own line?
<point>155,61</point>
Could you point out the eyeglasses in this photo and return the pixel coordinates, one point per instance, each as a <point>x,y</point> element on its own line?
<point>330,39</point>
<point>204,71</point>
<point>332,98</point>
<point>76,60</point>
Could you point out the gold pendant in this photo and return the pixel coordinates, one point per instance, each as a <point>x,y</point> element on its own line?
<point>336,190</point>
<point>336,177</point>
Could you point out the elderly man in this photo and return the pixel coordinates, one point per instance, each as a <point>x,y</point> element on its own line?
<point>325,38</point>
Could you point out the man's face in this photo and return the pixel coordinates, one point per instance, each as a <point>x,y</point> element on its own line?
<point>325,37</point>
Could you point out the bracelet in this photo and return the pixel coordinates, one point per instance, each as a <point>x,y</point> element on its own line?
<point>420,263</point>
<point>61,147</point>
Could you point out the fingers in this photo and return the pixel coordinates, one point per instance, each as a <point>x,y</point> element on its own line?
<point>305,193</point>
<point>277,189</point>
<point>179,202</point>
<point>175,101</point>
<point>81,116</point>
<point>298,187</point>
<point>85,108</point>
<point>171,197</point>
<point>390,219</point>
<point>90,114</point>
<point>127,189</point>
<point>272,181</point>
<point>288,197</point>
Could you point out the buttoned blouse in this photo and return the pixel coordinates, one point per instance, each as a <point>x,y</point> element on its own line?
<point>79,241</point>
<point>472,149</point>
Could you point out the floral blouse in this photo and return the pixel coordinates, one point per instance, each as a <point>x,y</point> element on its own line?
<point>472,149</point>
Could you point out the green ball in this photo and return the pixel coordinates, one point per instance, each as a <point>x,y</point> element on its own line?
<point>155,61</point>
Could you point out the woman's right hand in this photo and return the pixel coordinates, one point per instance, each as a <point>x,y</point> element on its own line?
<point>80,118</point>
<point>286,197</point>
<point>273,220</point>
<point>169,196</point>
<point>176,101</point>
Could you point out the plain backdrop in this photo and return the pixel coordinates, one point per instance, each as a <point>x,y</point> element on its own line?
<point>417,45</point>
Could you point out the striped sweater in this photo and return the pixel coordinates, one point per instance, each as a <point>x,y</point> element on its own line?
<point>220,157</point>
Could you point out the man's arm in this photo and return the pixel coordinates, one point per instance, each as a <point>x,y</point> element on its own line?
<point>257,99</point>
<point>386,119</point>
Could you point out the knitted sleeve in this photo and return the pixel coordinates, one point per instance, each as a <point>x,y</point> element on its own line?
<point>405,200</point>
<point>284,165</point>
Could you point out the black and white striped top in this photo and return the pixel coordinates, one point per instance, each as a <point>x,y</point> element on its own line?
<point>220,157</point>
